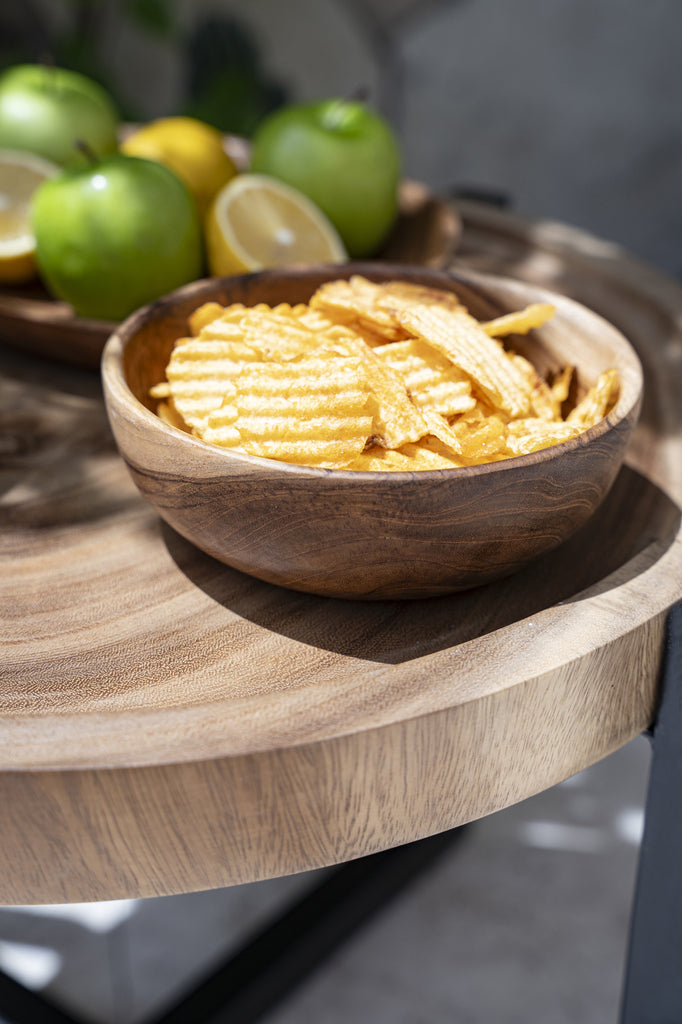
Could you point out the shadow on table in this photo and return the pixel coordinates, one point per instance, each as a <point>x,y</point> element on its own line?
<point>632,529</point>
<point>59,467</point>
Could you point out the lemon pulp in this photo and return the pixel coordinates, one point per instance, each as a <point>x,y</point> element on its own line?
<point>20,175</point>
<point>257,221</point>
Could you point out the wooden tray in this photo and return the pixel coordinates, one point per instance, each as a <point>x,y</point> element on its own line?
<point>426,233</point>
<point>168,724</point>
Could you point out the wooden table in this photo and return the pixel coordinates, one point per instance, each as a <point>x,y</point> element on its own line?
<point>168,724</point>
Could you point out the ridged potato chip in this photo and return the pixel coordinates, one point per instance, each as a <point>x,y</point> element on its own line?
<point>355,302</point>
<point>200,375</point>
<point>204,315</point>
<point>396,420</point>
<point>313,411</point>
<point>370,377</point>
<point>462,339</point>
<point>431,379</point>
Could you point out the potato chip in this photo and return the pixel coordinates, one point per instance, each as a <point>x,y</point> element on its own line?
<point>200,374</point>
<point>432,453</point>
<point>597,402</point>
<point>429,453</point>
<point>204,315</point>
<point>316,320</point>
<point>544,402</point>
<point>222,329</point>
<point>461,338</point>
<point>395,418</point>
<point>481,435</point>
<point>372,308</point>
<point>312,412</point>
<point>396,295</point>
<point>380,460</point>
<point>160,390</point>
<point>374,377</point>
<point>167,412</point>
<point>441,431</point>
<point>530,435</point>
<point>220,427</point>
<point>520,322</point>
<point>355,302</point>
<point>561,386</point>
<point>431,379</point>
<point>276,333</point>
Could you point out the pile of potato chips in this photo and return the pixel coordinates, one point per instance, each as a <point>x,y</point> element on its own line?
<point>370,376</point>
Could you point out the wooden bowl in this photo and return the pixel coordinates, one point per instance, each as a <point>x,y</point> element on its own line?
<point>358,534</point>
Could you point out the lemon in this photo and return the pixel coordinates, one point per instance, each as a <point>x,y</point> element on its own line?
<point>190,148</point>
<point>257,221</point>
<point>20,175</point>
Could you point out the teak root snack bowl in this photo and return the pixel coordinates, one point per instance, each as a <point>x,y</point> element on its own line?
<point>371,535</point>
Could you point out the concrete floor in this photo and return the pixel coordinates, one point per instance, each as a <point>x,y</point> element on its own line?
<point>522,922</point>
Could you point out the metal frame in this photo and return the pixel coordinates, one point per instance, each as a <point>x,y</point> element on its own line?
<point>652,992</point>
<point>18,1005</point>
<point>275,961</point>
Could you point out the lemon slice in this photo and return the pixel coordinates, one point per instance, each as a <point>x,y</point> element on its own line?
<point>257,221</point>
<point>20,175</point>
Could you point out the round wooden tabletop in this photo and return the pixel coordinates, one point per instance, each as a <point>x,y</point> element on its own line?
<point>168,724</point>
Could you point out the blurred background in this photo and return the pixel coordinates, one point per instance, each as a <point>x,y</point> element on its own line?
<point>567,110</point>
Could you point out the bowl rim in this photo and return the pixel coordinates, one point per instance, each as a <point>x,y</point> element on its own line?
<point>118,391</point>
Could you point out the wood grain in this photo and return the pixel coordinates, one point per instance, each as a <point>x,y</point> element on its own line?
<point>170,724</point>
<point>370,536</point>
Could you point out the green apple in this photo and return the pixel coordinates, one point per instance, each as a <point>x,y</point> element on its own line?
<point>116,234</point>
<point>341,155</point>
<point>45,110</point>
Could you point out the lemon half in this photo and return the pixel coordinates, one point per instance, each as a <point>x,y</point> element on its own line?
<point>20,175</point>
<point>257,221</point>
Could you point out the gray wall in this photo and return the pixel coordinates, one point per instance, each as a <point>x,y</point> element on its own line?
<point>572,107</point>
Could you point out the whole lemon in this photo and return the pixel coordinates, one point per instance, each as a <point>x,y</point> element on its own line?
<point>191,148</point>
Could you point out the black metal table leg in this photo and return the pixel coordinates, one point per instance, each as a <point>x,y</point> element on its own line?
<point>652,992</point>
<point>256,978</point>
<point>18,1005</point>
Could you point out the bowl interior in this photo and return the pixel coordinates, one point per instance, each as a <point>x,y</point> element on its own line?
<point>147,338</point>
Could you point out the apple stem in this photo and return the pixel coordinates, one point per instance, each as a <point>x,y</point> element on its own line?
<point>338,110</point>
<point>86,150</point>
